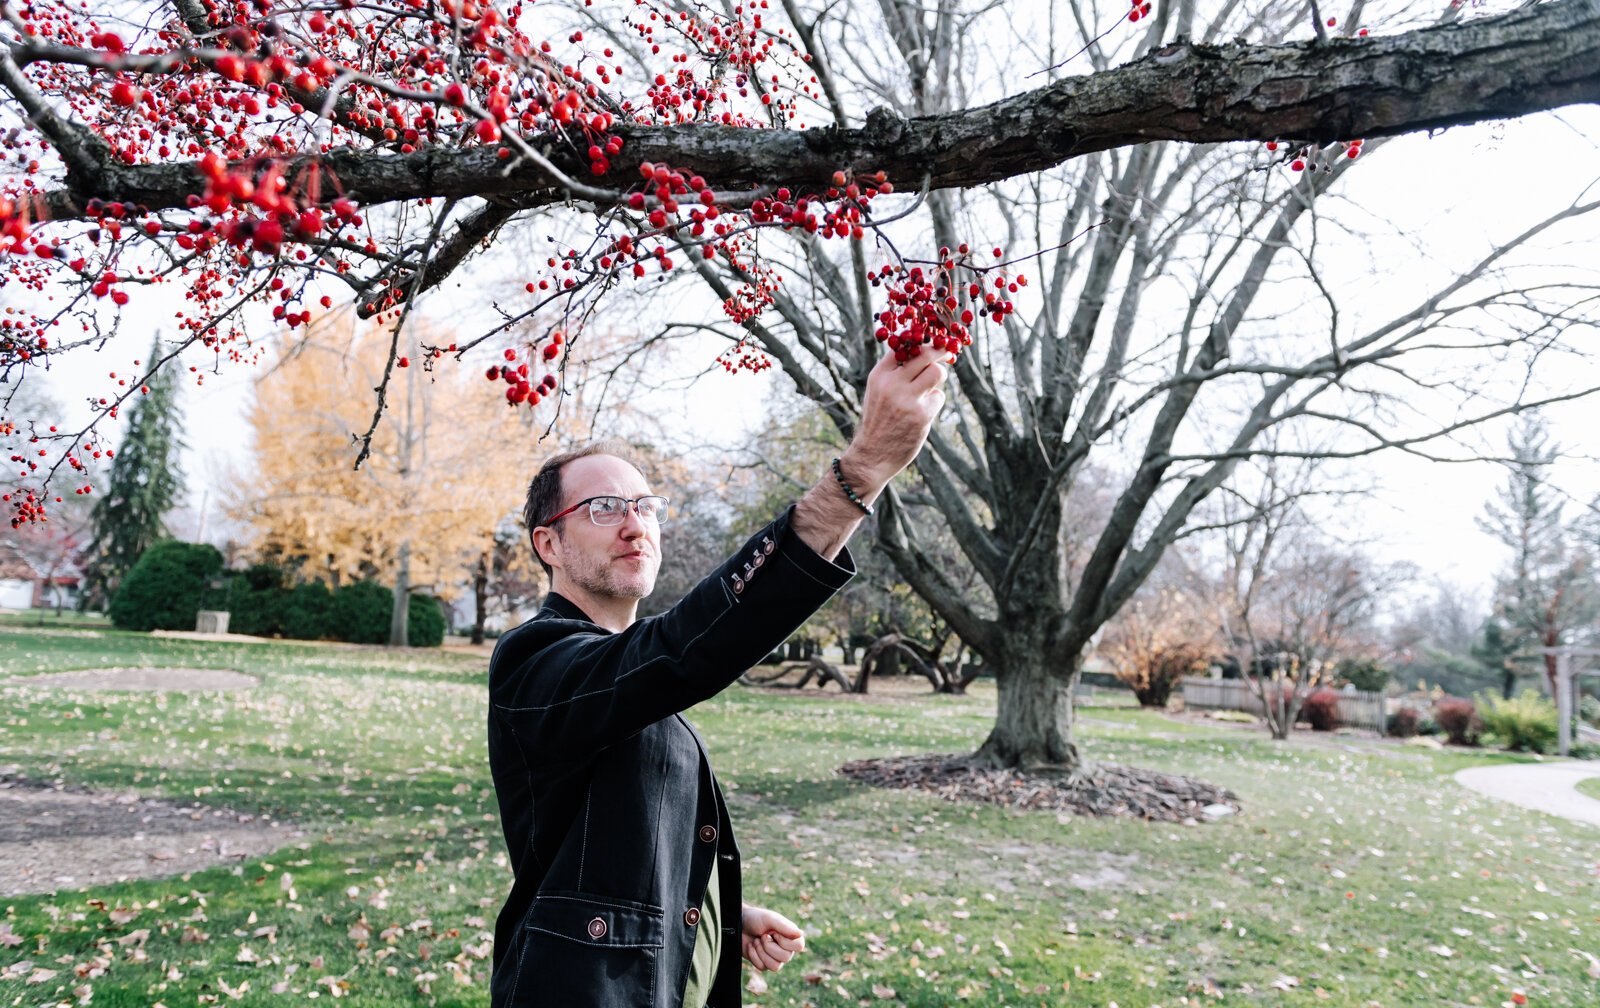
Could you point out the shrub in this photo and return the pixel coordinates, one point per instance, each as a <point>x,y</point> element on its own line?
<point>1428,726</point>
<point>166,587</point>
<point>1589,710</point>
<point>1321,709</point>
<point>1365,674</point>
<point>1458,719</point>
<point>256,599</point>
<point>1403,722</point>
<point>1527,722</point>
<point>306,611</point>
<point>424,621</point>
<point>360,613</point>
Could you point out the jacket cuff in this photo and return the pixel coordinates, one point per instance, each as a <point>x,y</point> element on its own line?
<point>831,574</point>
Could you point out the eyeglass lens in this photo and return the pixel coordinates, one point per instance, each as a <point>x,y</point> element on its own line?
<point>612,510</point>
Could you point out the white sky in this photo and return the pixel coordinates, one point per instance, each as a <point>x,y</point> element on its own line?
<point>1456,189</point>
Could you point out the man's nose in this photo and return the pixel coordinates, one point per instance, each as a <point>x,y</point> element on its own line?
<point>633,525</point>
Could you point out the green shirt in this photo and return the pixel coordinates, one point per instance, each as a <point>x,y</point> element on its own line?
<point>707,945</point>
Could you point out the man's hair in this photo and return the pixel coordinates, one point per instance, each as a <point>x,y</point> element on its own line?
<point>544,492</point>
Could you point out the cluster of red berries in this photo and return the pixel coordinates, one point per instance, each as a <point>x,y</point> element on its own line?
<point>1141,9</point>
<point>520,389</point>
<point>743,356</point>
<point>1300,158</point>
<point>926,308</point>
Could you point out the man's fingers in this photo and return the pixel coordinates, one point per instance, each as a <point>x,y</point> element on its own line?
<point>792,945</point>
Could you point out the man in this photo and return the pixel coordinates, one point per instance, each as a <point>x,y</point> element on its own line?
<point>627,884</point>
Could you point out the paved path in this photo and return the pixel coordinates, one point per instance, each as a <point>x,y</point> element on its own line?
<point>1547,787</point>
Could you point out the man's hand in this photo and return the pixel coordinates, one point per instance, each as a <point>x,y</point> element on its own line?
<point>768,939</point>
<point>901,403</point>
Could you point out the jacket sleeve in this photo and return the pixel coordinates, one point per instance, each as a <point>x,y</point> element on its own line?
<point>565,689</point>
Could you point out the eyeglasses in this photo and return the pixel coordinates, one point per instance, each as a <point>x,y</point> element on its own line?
<point>614,510</point>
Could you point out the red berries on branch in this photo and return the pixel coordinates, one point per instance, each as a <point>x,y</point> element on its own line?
<point>935,308</point>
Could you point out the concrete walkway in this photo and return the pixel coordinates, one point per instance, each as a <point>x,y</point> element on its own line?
<point>1547,787</point>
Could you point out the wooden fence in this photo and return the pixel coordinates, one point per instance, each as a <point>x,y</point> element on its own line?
<point>1356,709</point>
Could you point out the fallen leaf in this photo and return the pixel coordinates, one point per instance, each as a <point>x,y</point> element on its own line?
<point>881,992</point>
<point>757,984</point>
<point>1285,983</point>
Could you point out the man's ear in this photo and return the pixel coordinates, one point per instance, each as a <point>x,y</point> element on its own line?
<point>547,543</point>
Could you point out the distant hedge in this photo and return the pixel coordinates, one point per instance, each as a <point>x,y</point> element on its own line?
<point>262,604</point>
<point>166,587</point>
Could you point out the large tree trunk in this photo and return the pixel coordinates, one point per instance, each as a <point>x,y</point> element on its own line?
<point>1033,727</point>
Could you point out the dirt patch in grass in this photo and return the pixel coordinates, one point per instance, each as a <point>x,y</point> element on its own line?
<point>52,838</point>
<point>1097,790</point>
<point>143,679</point>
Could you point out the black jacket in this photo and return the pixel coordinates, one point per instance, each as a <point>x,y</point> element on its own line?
<point>610,810</point>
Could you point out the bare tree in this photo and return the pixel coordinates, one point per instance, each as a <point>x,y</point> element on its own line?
<point>1186,319</point>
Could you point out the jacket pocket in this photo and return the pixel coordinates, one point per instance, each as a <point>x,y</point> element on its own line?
<point>580,950</point>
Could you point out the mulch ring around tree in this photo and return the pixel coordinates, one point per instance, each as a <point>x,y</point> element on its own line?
<point>1095,789</point>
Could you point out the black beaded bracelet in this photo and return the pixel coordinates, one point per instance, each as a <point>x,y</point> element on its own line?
<point>849,491</point>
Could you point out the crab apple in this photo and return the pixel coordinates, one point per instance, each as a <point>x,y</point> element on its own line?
<point>125,94</point>
<point>488,131</point>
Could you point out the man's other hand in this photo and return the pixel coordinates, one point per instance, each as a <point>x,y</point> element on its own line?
<point>768,939</point>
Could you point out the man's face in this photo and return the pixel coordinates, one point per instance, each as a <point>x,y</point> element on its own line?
<point>612,561</point>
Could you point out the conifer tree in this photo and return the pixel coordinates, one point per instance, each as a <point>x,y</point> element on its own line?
<point>143,484</point>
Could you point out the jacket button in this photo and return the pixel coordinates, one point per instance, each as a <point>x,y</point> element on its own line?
<point>691,916</point>
<point>597,928</point>
<point>708,833</point>
<point>766,545</point>
<point>759,560</point>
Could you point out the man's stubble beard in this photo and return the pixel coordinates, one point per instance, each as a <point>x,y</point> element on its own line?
<point>604,580</point>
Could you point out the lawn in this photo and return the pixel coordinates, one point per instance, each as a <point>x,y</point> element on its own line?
<point>1357,874</point>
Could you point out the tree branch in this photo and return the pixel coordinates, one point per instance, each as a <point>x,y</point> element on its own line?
<point>1531,59</point>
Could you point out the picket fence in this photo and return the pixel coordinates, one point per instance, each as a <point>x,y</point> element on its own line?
<point>1356,709</point>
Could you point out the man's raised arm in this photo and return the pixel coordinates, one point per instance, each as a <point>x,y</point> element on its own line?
<point>901,403</point>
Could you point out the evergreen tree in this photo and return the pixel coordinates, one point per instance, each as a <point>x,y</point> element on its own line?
<point>1547,596</point>
<point>144,483</point>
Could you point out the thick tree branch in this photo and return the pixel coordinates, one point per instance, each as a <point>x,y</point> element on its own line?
<point>1528,60</point>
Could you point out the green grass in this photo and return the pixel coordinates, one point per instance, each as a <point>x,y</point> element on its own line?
<point>50,618</point>
<point>1360,872</point>
<point>1589,786</point>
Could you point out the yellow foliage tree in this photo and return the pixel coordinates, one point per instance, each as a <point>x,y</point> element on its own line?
<point>448,468</point>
